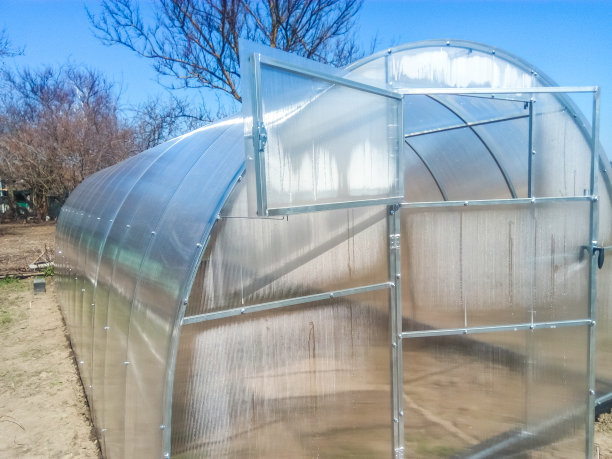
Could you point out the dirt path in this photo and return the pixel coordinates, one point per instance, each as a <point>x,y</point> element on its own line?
<point>42,407</point>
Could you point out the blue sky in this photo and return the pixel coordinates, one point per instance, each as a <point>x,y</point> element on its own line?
<point>570,41</point>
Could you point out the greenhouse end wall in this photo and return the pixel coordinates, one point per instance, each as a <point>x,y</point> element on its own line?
<point>454,318</point>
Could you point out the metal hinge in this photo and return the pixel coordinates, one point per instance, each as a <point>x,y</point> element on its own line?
<point>260,134</point>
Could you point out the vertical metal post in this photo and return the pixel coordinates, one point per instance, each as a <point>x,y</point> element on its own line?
<point>594,217</point>
<point>259,136</point>
<point>530,151</point>
<point>395,318</point>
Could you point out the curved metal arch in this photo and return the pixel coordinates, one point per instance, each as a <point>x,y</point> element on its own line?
<point>428,167</point>
<point>544,80</point>
<point>493,155</point>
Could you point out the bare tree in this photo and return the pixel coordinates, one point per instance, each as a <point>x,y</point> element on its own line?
<point>196,41</point>
<point>6,47</point>
<point>158,120</point>
<point>58,127</point>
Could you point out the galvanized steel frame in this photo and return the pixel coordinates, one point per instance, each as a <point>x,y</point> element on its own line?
<point>260,135</point>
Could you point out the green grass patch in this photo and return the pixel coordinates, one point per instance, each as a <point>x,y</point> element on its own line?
<point>6,318</point>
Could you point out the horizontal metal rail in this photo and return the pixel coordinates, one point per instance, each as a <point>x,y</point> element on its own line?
<point>530,90</point>
<point>603,399</point>
<point>284,303</point>
<point>275,211</point>
<point>465,125</point>
<point>495,328</point>
<point>496,202</point>
<point>271,62</point>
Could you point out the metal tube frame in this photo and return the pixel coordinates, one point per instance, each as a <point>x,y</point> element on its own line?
<point>395,330</point>
<point>594,223</point>
<point>283,303</point>
<point>394,234</point>
<point>260,136</point>
<point>496,328</point>
<point>467,124</point>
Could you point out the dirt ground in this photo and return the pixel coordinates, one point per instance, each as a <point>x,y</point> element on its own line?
<point>43,411</point>
<point>24,244</point>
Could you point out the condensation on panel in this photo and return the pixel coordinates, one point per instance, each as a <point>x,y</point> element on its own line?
<point>250,261</point>
<point>463,393</point>
<point>496,394</point>
<point>562,158</point>
<point>327,143</point>
<point>558,390</point>
<point>299,382</point>
<point>481,266</point>
<point>450,66</point>
<point>562,261</point>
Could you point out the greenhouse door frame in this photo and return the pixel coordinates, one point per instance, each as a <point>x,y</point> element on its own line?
<point>394,237</point>
<point>395,206</point>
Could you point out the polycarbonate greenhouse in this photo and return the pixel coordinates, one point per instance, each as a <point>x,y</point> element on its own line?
<point>401,258</point>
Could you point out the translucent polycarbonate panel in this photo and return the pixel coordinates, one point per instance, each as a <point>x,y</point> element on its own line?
<point>420,184</point>
<point>304,381</point>
<point>462,393</point>
<point>496,394</point>
<point>478,266</point>
<point>133,233</point>
<point>166,272</point>
<point>462,164</point>
<point>509,142</point>
<point>558,381</point>
<point>562,159</point>
<point>423,113</point>
<point>118,191</point>
<point>604,293</point>
<point>327,142</point>
<point>485,108</point>
<point>461,65</point>
<point>250,261</point>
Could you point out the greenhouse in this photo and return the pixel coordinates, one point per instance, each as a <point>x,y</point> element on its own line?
<point>401,258</point>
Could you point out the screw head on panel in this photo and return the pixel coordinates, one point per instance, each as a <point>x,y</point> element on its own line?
<point>591,392</point>
<point>242,311</point>
<point>162,427</point>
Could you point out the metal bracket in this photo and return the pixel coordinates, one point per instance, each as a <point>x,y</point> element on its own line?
<point>394,241</point>
<point>260,135</point>
<point>601,255</point>
<point>594,250</point>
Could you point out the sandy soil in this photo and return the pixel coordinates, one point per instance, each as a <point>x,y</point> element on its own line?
<point>43,412</point>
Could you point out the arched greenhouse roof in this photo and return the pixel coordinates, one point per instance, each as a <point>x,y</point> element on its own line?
<point>131,238</point>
